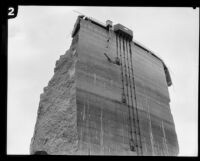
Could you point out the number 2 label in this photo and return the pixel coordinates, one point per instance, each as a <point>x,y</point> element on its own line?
<point>11,11</point>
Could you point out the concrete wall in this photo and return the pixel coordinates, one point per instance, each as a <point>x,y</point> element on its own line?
<point>93,106</point>
<point>103,120</point>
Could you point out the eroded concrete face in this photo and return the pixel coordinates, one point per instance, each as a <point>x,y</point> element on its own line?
<point>56,126</point>
<point>94,106</point>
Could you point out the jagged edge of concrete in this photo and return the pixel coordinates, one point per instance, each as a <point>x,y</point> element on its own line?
<point>56,126</point>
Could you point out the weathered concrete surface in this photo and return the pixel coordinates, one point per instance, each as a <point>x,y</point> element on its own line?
<point>56,126</point>
<point>101,113</point>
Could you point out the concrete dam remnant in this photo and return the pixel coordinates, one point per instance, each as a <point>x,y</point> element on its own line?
<point>108,96</point>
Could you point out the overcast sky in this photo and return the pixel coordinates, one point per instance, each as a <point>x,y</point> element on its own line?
<point>39,35</point>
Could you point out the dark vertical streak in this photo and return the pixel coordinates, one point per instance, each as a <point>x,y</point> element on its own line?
<point>137,119</point>
<point>131,93</point>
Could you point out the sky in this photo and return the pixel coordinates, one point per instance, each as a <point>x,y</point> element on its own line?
<point>40,34</point>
